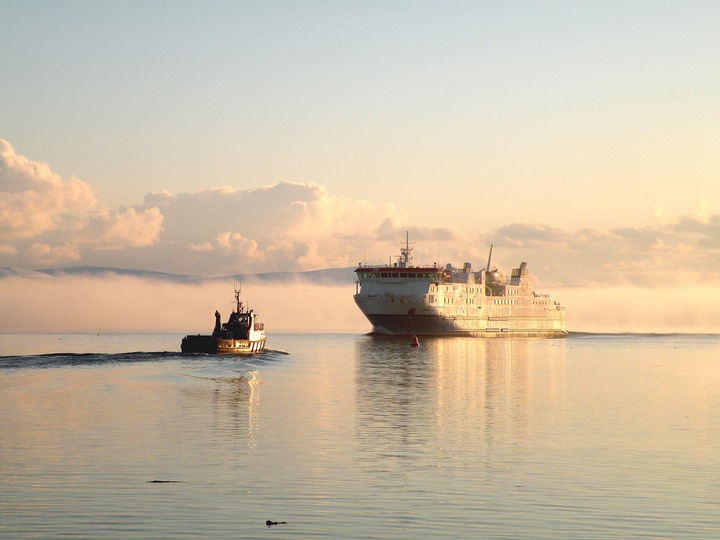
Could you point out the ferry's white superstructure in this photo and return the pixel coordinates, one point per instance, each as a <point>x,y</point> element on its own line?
<point>406,299</point>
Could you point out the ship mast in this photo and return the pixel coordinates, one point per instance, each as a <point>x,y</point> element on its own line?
<point>405,253</point>
<point>238,303</point>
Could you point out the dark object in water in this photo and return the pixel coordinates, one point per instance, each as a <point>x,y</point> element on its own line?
<point>165,482</point>
<point>271,523</point>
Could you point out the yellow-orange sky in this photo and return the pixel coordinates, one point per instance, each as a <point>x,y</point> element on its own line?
<point>238,137</point>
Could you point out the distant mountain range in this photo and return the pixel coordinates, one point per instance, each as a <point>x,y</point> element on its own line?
<point>330,276</point>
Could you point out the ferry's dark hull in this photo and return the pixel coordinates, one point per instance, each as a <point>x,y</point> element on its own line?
<point>211,345</point>
<point>435,325</point>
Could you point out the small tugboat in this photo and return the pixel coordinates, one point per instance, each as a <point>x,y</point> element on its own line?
<point>242,334</point>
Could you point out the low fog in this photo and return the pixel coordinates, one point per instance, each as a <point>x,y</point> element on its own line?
<point>113,303</point>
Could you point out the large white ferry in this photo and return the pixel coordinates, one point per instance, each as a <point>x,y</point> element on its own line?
<point>406,299</point>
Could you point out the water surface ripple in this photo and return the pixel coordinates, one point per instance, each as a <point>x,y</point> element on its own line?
<point>353,436</point>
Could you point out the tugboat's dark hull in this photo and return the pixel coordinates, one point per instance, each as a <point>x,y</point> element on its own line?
<point>211,345</point>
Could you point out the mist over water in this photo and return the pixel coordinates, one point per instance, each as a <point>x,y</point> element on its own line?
<point>689,309</point>
<point>114,303</point>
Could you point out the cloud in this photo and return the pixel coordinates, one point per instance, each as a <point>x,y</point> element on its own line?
<point>116,230</point>
<point>286,226</point>
<point>235,244</point>
<point>673,254</point>
<point>49,255</point>
<point>44,218</point>
<point>391,229</point>
<point>33,198</point>
<point>533,236</point>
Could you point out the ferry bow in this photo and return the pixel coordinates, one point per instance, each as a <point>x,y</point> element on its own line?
<point>407,299</point>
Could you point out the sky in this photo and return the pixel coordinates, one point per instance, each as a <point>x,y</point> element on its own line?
<point>212,138</point>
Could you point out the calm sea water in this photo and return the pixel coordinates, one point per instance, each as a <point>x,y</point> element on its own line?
<point>349,436</point>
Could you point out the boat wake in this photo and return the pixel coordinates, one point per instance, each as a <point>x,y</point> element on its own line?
<point>52,360</point>
<point>57,360</point>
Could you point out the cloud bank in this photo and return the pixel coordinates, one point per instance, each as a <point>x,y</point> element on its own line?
<point>48,221</point>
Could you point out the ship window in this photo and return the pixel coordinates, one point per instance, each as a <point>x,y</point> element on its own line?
<point>383,274</point>
<point>395,274</point>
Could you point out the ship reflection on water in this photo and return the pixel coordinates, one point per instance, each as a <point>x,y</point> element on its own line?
<point>451,396</point>
<point>229,403</point>
<point>354,436</point>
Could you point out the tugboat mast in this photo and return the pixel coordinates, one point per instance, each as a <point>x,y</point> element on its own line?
<point>238,303</point>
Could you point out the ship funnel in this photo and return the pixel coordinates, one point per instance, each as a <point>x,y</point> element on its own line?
<point>489,259</point>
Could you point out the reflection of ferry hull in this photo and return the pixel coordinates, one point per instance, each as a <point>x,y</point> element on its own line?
<point>405,299</point>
